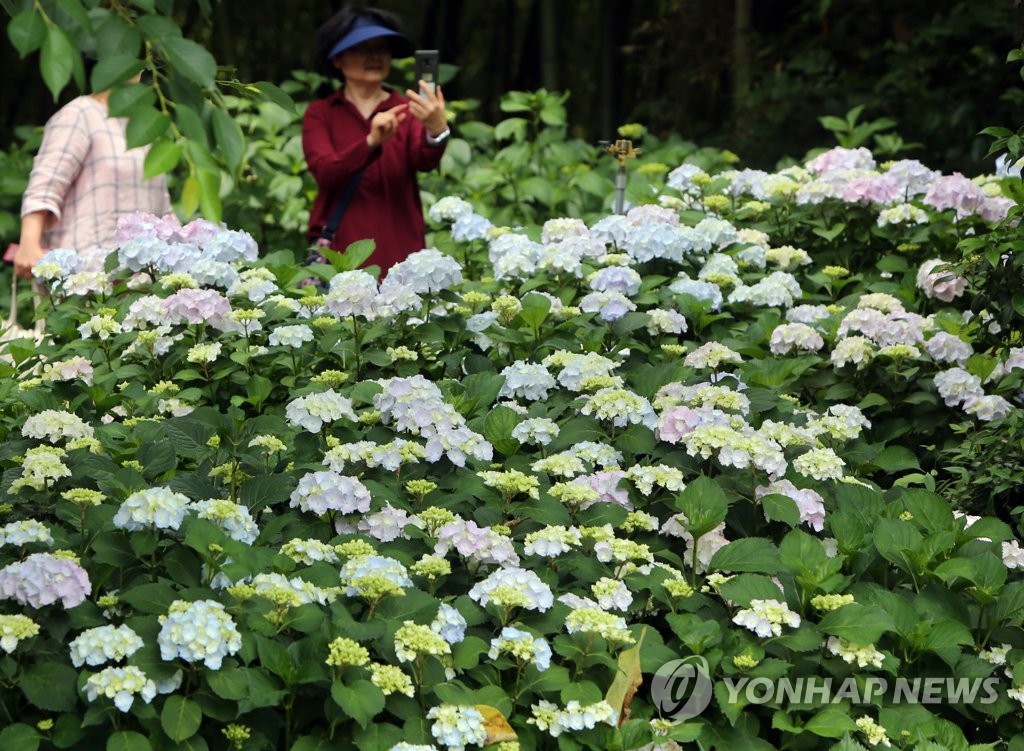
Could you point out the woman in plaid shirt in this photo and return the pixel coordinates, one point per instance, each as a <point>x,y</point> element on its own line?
<point>83,178</point>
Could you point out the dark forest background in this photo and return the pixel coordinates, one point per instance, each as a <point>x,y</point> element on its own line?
<point>750,75</point>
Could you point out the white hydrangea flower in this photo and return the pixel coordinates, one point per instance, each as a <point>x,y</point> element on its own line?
<point>96,646</point>
<point>766,618</point>
<point>158,507</point>
<point>200,631</point>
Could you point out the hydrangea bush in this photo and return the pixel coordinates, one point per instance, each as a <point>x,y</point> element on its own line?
<point>449,511</point>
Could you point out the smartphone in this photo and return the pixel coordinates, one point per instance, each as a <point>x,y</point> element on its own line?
<point>426,68</point>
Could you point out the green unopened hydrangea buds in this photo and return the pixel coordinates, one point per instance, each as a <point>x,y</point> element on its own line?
<point>345,652</point>
<point>355,548</point>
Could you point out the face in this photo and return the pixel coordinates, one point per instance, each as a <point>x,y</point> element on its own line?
<point>368,62</point>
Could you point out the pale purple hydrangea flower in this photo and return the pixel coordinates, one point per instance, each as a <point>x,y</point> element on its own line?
<point>948,348</point>
<point>449,624</point>
<point>955,192</point>
<point>471,226</point>
<point>841,159</point>
<point>226,245</point>
<point>313,411</point>
<point>388,524</point>
<point>703,291</point>
<point>320,492</point>
<point>478,544</point>
<point>350,294</point>
<point>621,279</point>
<point>943,285</point>
<point>197,306</point>
<point>142,224</point>
<point>609,306</point>
<point>530,381</point>
<point>795,336</point>
<point>42,579</point>
<point>426,271</point>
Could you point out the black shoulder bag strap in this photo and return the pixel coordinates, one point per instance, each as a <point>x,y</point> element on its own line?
<point>327,233</point>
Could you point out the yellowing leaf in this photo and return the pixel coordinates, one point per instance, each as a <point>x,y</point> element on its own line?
<point>627,680</point>
<point>497,726</point>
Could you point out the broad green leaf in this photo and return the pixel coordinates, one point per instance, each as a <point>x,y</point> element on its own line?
<point>153,598</point>
<point>228,683</point>
<point>753,554</point>
<point>76,12</point>
<point>535,310</point>
<point>190,195</point>
<point>27,30</point>
<point>163,156</point>
<point>128,740</point>
<point>362,701</point>
<point>126,98</point>
<point>20,736</point>
<point>230,140</point>
<point>498,426</point>
<point>115,69</point>
<point>896,459</point>
<point>929,510</point>
<point>114,36</point>
<point>156,27</point>
<point>830,723</point>
<point>56,61</point>
<point>51,686</point>
<point>145,125</point>
<point>314,743</point>
<point>856,623</point>
<point>273,93</point>
<point>265,490</point>
<point>780,508</point>
<point>743,588</point>
<point>209,194</point>
<point>704,504</point>
<point>191,60</point>
<point>180,717</point>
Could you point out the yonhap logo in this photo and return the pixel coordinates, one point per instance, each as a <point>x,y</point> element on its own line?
<point>681,689</point>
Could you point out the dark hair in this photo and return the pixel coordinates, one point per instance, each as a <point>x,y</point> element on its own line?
<point>339,25</point>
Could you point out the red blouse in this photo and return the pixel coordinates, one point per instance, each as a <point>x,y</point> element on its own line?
<point>386,205</point>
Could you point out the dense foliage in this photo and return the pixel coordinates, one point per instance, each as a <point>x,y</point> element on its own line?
<point>484,501</point>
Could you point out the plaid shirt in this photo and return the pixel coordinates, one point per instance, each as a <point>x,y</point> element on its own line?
<point>86,177</point>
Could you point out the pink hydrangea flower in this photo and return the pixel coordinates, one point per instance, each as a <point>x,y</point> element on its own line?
<point>943,285</point>
<point>42,579</point>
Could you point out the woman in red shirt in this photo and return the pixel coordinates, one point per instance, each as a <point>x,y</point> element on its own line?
<point>367,131</point>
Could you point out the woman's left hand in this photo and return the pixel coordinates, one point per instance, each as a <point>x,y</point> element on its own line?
<point>428,107</point>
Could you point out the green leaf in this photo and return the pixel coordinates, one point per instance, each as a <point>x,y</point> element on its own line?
<point>209,194</point>
<point>145,125</point>
<point>313,743</point>
<point>125,99</point>
<point>115,69</point>
<point>753,554</point>
<point>856,623</point>
<point>362,701</point>
<point>56,61</point>
<point>265,490</point>
<point>896,459</point>
<point>230,140</point>
<point>272,93</point>
<point>535,310</point>
<point>228,683</point>
<point>180,717</point>
<point>498,426</point>
<point>704,504</point>
<point>20,736</point>
<point>830,723</point>
<point>743,588</point>
<point>154,598</point>
<point>191,60</point>
<point>27,30</point>
<point>51,686</point>
<point>114,36</point>
<point>128,740</point>
<point>780,508</point>
<point>163,156</point>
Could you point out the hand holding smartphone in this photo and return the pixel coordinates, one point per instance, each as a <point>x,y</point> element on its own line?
<point>426,68</point>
